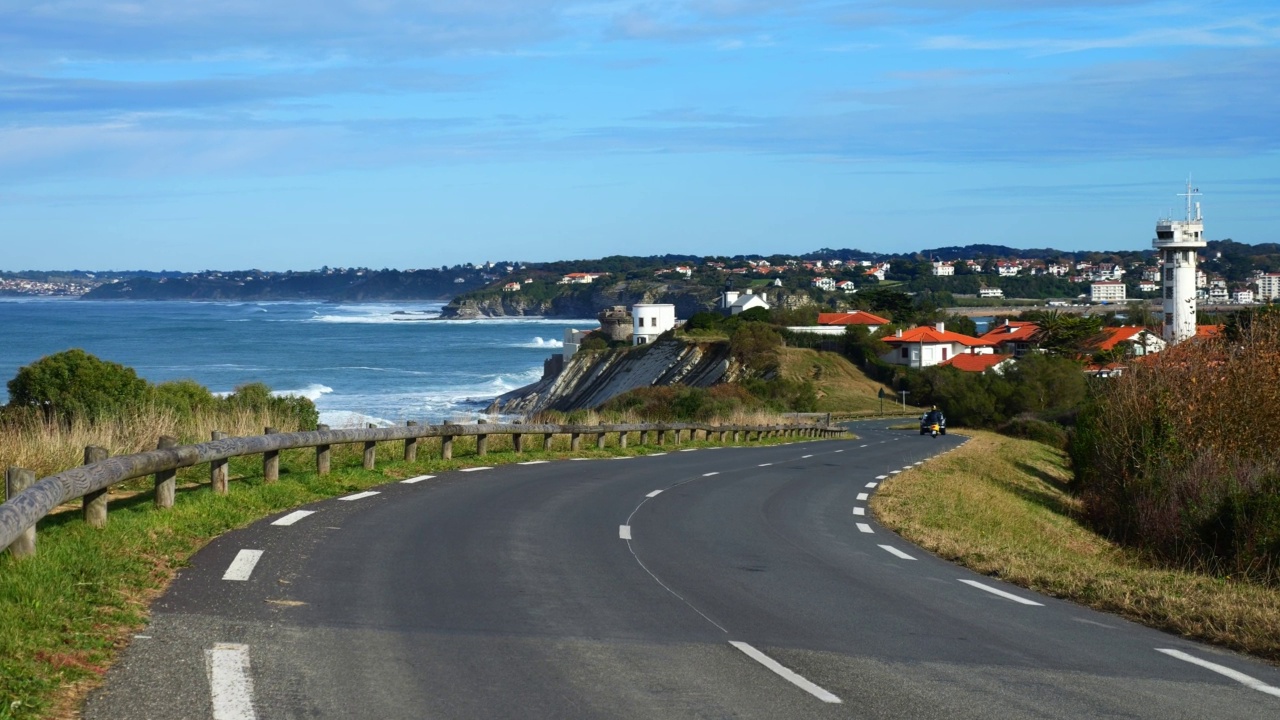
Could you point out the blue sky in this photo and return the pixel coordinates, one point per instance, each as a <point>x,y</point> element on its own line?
<point>390,133</point>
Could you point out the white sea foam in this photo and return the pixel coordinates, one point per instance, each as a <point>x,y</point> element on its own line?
<point>339,419</point>
<point>540,344</point>
<point>312,392</point>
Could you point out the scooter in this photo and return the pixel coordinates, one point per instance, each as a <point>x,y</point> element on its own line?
<point>934,429</point>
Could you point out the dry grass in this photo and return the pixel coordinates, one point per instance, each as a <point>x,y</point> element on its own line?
<point>841,386</point>
<point>999,506</point>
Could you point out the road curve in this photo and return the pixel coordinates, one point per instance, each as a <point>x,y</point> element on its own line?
<point>739,582</point>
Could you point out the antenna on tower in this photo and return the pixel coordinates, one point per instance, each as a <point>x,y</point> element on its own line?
<point>1190,193</point>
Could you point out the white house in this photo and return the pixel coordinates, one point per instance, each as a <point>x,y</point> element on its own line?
<point>572,339</point>
<point>1107,291</point>
<point>990,292</point>
<point>511,287</point>
<point>1242,297</point>
<point>651,320</point>
<point>580,278</point>
<point>943,269</point>
<point>1007,269</point>
<point>847,286</point>
<point>824,283</point>
<point>736,302</point>
<point>925,346</point>
<point>1218,294</point>
<point>1148,286</point>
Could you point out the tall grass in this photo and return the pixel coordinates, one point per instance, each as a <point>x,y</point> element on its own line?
<point>49,445</point>
<point>1179,457</point>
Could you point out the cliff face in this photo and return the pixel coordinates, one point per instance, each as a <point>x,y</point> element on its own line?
<point>592,378</point>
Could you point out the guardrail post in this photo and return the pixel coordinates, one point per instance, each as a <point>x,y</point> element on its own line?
<point>270,461</point>
<point>218,468</point>
<point>323,456</point>
<point>16,480</point>
<point>546,442</point>
<point>662,437</point>
<point>600,439</point>
<point>95,503</point>
<point>482,445</point>
<point>622,438</point>
<point>370,459</point>
<point>517,442</point>
<point>166,480</point>
<point>644,437</point>
<point>446,447</point>
<point>411,445</point>
<point>575,441</point>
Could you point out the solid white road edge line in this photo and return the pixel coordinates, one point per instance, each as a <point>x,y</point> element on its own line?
<point>865,528</point>
<point>418,479</point>
<point>859,511</point>
<point>805,457</point>
<point>896,552</point>
<point>785,673</point>
<point>710,474</point>
<point>863,496</point>
<point>360,495</point>
<point>293,517</point>
<point>624,532</point>
<point>764,464</point>
<point>1001,593</point>
<point>862,446</point>
<point>242,566</point>
<point>478,469</point>
<point>230,685</point>
<point>1249,682</point>
<point>534,462</point>
<point>655,493</point>
<point>655,454</point>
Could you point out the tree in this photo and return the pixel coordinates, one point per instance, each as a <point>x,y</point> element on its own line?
<point>74,383</point>
<point>755,346</point>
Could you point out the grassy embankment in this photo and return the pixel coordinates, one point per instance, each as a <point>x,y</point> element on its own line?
<point>999,506</point>
<point>67,611</point>
<point>841,386</point>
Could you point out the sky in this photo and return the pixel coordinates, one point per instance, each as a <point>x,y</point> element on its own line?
<point>293,134</point>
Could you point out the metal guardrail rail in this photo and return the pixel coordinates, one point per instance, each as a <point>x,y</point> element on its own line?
<point>30,500</point>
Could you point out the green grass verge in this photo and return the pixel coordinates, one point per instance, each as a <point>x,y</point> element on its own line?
<point>999,505</point>
<point>66,611</point>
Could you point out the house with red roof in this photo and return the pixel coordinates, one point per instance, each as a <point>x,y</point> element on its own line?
<point>836,323</point>
<point>926,346</point>
<point>1013,337</point>
<point>969,362</point>
<point>1142,340</point>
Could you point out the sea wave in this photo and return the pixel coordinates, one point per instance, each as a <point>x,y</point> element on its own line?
<point>540,344</point>
<point>312,392</point>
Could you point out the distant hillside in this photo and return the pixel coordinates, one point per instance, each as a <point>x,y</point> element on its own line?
<point>841,386</point>
<point>346,285</point>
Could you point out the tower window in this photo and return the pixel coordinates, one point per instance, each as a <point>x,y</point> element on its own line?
<point>1168,274</point>
<point>1168,291</point>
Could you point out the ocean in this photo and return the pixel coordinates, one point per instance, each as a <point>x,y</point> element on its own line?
<point>359,362</point>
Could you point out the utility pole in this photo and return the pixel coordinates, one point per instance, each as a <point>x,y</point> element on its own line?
<point>904,393</point>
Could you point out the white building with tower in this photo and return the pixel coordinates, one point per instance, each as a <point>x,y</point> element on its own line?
<point>651,320</point>
<point>1178,241</point>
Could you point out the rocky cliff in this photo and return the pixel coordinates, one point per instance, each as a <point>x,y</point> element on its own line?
<point>589,379</point>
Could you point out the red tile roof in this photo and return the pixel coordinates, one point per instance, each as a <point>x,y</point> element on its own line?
<point>1208,330</point>
<point>1116,335</point>
<point>1014,331</point>
<point>857,317</point>
<point>969,362</point>
<point>931,335</point>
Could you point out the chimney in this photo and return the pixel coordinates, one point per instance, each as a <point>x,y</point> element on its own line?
<point>941,327</point>
<point>899,333</point>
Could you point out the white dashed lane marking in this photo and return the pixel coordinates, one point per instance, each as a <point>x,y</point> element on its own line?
<point>872,484</point>
<point>359,495</point>
<point>1249,682</point>
<point>655,493</point>
<point>230,685</point>
<point>624,532</point>
<point>764,464</point>
<point>535,462</point>
<point>789,675</point>
<point>293,517</point>
<point>242,566</point>
<point>805,457</point>
<point>1001,593</point>
<point>896,552</point>
<point>418,479</point>
<point>865,528</point>
<point>859,511</point>
<point>882,477</point>
<point>710,474</point>
<point>862,496</point>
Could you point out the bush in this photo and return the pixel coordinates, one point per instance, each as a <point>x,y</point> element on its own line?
<point>755,346</point>
<point>184,397</point>
<point>1031,428</point>
<point>74,383</point>
<point>1177,456</point>
<point>257,397</point>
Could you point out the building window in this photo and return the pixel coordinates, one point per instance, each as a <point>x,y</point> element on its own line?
<point>1168,274</point>
<point>944,354</point>
<point>904,353</point>
<point>1168,292</point>
<point>1168,318</point>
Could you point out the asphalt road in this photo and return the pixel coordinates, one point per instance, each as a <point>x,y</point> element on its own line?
<point>726,583</point>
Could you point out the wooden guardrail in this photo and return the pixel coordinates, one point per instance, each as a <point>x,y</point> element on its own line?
<point>30,500</point>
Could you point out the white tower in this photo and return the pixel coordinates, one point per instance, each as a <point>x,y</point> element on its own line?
<point>1178,241</point>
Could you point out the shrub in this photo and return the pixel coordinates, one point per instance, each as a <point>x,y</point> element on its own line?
<point>74,383</point>
<point>185,397</point>
<point>257,397</point>
<point>755,346</point>
<point>1031,428</point>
